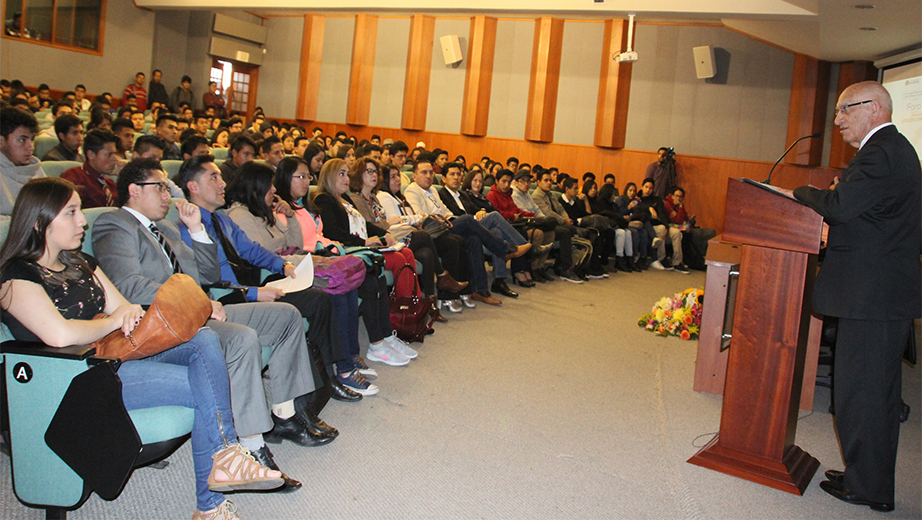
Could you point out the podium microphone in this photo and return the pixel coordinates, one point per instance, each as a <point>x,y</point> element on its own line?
<point>814,135</point>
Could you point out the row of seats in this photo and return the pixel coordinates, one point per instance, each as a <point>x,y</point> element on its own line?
<point>44,144</point>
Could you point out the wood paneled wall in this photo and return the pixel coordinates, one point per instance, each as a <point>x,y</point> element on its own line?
<point>362,71</point>
<point>309,74</point>
<point>545,77</point>
<point>840,152</point>
<point>419,67</point>
<point>704,178</point>
<point>478,78</point>
<point>807,113</point>
<point>614,88</point>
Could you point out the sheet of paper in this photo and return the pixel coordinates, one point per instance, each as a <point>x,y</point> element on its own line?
<point>304,277</point>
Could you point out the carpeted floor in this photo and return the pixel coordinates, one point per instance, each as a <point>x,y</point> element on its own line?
<point>556,406</point>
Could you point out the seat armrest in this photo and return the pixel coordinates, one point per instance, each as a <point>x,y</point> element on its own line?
<point>40,349</point>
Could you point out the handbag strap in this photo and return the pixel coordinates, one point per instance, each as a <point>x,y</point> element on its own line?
<point>397,277</point>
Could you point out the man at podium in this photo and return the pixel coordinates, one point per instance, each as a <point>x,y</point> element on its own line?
<point>871,281</point>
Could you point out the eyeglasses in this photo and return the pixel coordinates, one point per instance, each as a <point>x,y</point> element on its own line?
<point>844,108</point>
<point>371,171</point>
<point>162,187</point>
<point>308,177</point>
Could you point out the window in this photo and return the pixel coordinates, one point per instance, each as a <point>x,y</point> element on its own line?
<point>74,24</point>
<point>238,82</point>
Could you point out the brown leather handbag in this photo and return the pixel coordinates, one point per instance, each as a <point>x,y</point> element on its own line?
<point>179,310</point>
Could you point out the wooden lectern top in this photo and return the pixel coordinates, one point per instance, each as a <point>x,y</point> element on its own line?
<point>761,217</point>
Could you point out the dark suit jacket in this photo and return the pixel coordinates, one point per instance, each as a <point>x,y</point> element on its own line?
<point>872,270</point>
<point>132,258</point>
<point>336,222</point>
<point>468,209</point>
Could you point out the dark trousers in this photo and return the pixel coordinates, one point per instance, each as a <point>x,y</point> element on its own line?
<point>467,225</point>
<point>452,250</point>
<point>376,312</point>
<point>317,307</point>
<point>425,251</point>
<point>565,241</point>
<point>868,368</point>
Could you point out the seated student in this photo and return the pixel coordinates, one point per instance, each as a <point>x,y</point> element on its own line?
<point>610,179</point>
<point>602,202</point>
<point>541,236</point>
<point>600,230</point>
<point>473,188</point>
<point>242,150</point>
<point>454,283</point>
<point>193,146</point>
<point>425,200</point>
<point>271,151</point>
<point>652,206</point>
<point>623,240</point>
<point>69,130</point>
<point>512,164</point>
<point>59,109</point>
<point>345,152</point>
<point>674,205</point>
<point>100,119</point>
<point>219,137</point>
<point>95,187</point>
<point>124,131</point>
<point>628,205</point>
<point>141,250</point>
<point>17,164</point>
<point>567,234</point>
<point>288,144</point>
<point>137,121</point>
<point>51,293</point>
<point>300,146</point>
<point>252,208</point>
<point>167,128</point>
<point>344,224</point>
<point>200,123</point>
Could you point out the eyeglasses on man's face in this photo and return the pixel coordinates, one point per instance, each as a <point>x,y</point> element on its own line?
<point>844,108</point>
<point>162,187</point>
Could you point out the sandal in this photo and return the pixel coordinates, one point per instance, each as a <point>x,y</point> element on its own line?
<point>226,511</point>
<point>243,473</point>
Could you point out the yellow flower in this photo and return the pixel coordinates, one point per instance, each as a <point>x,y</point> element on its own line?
<point>659,315</point>
<point>678,314</point>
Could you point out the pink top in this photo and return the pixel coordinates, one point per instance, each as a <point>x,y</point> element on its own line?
<point>312,229</point>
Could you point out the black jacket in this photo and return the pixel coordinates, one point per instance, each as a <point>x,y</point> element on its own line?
<point>336,222</point>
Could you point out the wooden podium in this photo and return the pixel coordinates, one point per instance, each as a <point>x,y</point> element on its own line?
<point>780,238</point>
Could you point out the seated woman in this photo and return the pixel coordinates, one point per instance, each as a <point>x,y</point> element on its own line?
<point>364,178</point>
<point>624,239</point>
<point>339,220</point>
<point>50,293</point>
<point>253,205</point>
<point>219,138</point>
<point>451,248</point>
<point>628,205</point>
<point>473,186</point>
<point>315,155</point>
<point>604,204</point>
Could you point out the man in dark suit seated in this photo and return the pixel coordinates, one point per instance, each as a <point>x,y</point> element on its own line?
<point>870,279</point>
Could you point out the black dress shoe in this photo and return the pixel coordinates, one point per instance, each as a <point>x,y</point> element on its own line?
<point>499,286</point>
<point>296,431</point>
<point>341,393</point>
<point>835,475</point>
<point>315,424</point>
<point>847,495</point>
<point>264,457</point>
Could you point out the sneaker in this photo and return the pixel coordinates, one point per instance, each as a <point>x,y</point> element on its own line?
<point>596,275</point>
<point>681,268</point>
<point>466,300</point>
<point>571,277</point>
<point>400,345</point>
<point>356,382</point>
<point>667,264</point>
<point>226,511</point>
<point>657,265</point>
<point>363,367</point>
<point>453,305</point>
<point>383,353</point>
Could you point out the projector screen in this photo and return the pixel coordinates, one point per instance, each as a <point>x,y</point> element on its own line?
<point>904,82</point>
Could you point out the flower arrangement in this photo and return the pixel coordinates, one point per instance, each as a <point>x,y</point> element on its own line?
<point>677,316</point>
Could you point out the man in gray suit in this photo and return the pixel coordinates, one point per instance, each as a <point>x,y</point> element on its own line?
<point>140,250</point>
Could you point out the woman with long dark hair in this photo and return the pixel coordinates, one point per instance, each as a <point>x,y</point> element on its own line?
<point>315,156</point>
<point>51,292</point>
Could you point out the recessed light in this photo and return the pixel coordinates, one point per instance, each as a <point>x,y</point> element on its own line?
<point>864,6</point>
<point>867,28</point>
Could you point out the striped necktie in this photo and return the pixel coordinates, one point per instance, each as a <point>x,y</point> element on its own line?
<point>166,248</point>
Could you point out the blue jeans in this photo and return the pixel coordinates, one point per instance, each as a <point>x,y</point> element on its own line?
<point>503,230</point>
<point>193,375</point>
<point>346,308</point>
<point>478,237</point>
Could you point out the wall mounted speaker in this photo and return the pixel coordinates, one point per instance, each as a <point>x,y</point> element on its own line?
<point>704,62</point>
<point>451,49</point>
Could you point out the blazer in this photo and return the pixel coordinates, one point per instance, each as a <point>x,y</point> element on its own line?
<point>468,207</point>
<point>871,270</point>
<point>132,258</point>
<point>336,222</point>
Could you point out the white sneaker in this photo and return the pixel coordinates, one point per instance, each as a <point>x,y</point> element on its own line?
<point>383,353</point>
<point>400,345</point>
<point>466,300</point>
<point>657,265</point>
<point>453,305</point>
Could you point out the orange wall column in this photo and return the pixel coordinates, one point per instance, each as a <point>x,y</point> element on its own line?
<point>807,113</point>
<point>614,88</point>
<point>545,77</point>
<point>478,78</point>
<point>363,66</point>
<point>419,67</point>
<point>309,74</point>
<point>840,152</point>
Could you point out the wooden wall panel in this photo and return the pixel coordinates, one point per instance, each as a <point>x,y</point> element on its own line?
<point>614,88</point>
<point>807,113</point>
<point>419,67</point>
<point>545,75</point>
<point>478,79</point>
<point>363,67</point>
<point>309,75</point>
<point>840,152</point>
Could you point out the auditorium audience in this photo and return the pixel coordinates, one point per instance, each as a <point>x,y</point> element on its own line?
<point>653,208</point>
<point>69,130</point>
<point>242,150</point>
<point>93,181</point>
<point>17,164</point>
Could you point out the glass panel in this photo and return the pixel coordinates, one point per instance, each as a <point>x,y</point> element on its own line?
<point>38,19</point>
<point>64,28</point>
<point>87,16</point>
<point>13,17</point>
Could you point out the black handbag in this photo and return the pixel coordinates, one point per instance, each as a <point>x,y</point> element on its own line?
<point>435,225</point>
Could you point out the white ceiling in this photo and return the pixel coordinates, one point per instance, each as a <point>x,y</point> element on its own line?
<point>826,29</point>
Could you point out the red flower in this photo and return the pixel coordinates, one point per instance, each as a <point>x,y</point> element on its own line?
<point>688,319</point>
<point>685,335</point>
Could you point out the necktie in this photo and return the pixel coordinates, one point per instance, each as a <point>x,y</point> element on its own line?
<point>166,248</point>
<point>245,273</point>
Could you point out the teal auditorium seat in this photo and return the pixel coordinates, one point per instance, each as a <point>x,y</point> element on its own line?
<point>220,154</point>
<point>40,478</point>
<point>171,167</point>
<point>56,168</point>
<point>44,144</point>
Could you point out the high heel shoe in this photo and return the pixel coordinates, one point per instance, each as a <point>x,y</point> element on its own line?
<point>520,279</point>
